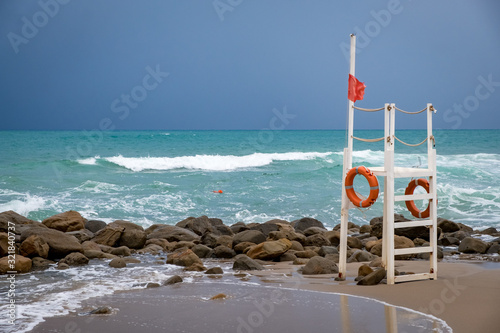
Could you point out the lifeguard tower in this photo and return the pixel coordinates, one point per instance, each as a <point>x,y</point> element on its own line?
<point>425,177</point>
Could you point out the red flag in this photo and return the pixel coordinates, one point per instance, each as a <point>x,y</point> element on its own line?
<point>356,90</point>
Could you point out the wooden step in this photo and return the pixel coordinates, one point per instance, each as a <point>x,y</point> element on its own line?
<point>407,224</point>
<point>417,196</point>
<point>413,250</point>
<point>413,277</point>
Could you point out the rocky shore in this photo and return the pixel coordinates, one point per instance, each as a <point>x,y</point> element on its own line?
<point>68,239</point>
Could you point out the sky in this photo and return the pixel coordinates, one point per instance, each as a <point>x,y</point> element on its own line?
<point>245,64</point>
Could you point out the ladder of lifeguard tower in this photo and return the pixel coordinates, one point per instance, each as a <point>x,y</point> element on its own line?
<point>390,172</point>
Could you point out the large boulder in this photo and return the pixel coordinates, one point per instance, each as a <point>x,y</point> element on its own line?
<point>60,244</point>
<point>82,235</point>
<point>269,249</point>
<point>400,242</point>
<point>447,225</point>
<point>306,222</point>
<point>34,246</point>
<point>108,236</point>
<point>22,264</point>
<point>4,244</point>
<point>133,235</point>
<point>317,240</point>
<point>320,265</point>
<point>67,221</point>
<point>173,234</point>
<point>198,225</point>
<point>183,257</point>
<point>265,228</point>
<point>223,251</point>
<point>95,225</point>
<point>473,245</point>
<point>253,236</point>
<point>18,220</point>
<point>75,259</point>
<point>244,263</point>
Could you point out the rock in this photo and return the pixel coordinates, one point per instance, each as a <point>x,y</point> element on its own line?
<point>472,245</point>
<point>494,249</point>
<point>218,296</point>
<point>373,278</point>
<point>178,245</point>
<point>34,246</point>
<point>364,270</point>
<point>333,236</point>
<point>4,244</point>
<point>449,241</point>
<point>269,249</point>
<point>222,251</point>
<point>108,236</point>
<point>368,239</point>
<point>202,251</point>
<point>489,231</point>
<point>380,219</point>
<point>133,235</point>
<point>214,270</point>
<point>117,263</point>
<point>95,225</point>
<point>18,220</point>
<point>62,265</point>
<point>306,222</point>
<point>465,228</point>
<point>209,239</point>
<point>320,265</point>
<point>290,235</point>
<point>173,234</point>
<point>313,231</point>
<point>38,263</point>
<point>225,240</point>
<point>93,254</point>
<point>366,228</point>
<point>238,227</point>
<point>82,235</point>
<point>447,225</point>
<point>416,232</point>
<point>121,251</point>
<point>400,242</point>
<point>318,240</point>
<point>198,225</point>
<point>75,259</point>
<point>297,246</point>
<point>360,256</point>
<point>253,236</point>
<point>306,254</point>
<point>131,261</point>
<point>419,242</point>
<point>21,265</point>
<point>60,244</point>
<point>300,261</point>
<point>354,242</point>
<point>328,250</point>
<point>152,285</point>
<point>243,247</point>
<point>377,262</point>
<point>288,256</point>
<point>459,234</point>
<point>65,222</point>
<point>152,249</point>
<point>222,230</point>
<point>265,228</point>
<point>173,280</point>
<point>90,245</point>
<point>103,310</point>
<point>244,263</point>
<point>196,267</point>
<point>163,243</point>
<point>183,257</point>
<point>376,230</point>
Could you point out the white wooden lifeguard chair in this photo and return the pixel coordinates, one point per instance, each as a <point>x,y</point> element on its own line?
<point>390,172</point>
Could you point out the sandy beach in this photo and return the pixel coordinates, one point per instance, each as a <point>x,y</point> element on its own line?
<point>465,296</point>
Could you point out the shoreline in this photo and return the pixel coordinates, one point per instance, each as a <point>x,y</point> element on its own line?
<point>464,296</point>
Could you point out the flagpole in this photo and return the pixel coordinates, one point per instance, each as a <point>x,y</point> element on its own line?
<point>350,112</point>
<point>344,210</point>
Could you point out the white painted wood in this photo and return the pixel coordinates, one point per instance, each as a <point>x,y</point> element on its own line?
<point>413,250</point>
<point>412,277</point>
<point>417,223</point>
<point>418,196</point>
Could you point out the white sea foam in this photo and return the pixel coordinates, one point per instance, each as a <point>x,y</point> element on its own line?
<point>29,204</point>
<point>89,160</point>
<point>210,162</point>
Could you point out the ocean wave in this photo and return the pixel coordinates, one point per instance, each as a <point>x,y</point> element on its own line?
<point>25,205</point>
<point>89,160</point>
<point>210,162</point>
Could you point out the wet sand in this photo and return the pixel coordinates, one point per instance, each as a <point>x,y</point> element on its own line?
<point>465,296</point>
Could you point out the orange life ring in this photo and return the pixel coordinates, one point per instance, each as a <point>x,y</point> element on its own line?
<point>411,204</point>
<point>372,181</point>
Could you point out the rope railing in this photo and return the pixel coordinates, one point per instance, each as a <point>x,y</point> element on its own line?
<point>368,140</point>
<point>418,144</point>
<point>408,112</point>
<point>368,110</point>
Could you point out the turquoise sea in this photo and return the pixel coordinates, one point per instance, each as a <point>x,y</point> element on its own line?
<point>165,176</point>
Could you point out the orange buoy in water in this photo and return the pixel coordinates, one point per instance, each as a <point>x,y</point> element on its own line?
<point>219,191</point>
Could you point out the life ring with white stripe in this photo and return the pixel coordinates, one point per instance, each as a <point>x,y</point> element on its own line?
<point>372,181</point>
<point>411,204</point>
